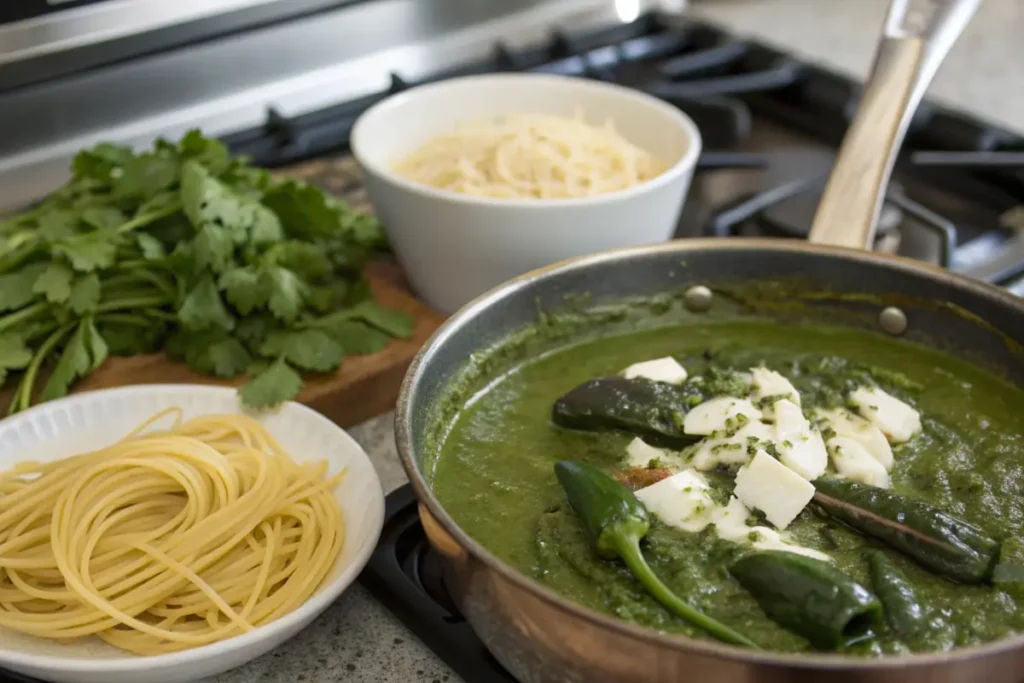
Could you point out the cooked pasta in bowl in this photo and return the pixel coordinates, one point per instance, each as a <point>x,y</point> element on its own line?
<point>160,533</point>
<point>482,178</point>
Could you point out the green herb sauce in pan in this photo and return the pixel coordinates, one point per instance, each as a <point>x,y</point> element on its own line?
<point>494,475</point>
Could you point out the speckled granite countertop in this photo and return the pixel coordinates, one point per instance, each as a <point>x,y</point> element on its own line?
<point>357,640</point>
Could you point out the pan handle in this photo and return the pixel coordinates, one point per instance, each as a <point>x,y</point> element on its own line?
<point>916,39</point>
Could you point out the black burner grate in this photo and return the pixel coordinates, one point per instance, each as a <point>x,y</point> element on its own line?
<point>404,573</point>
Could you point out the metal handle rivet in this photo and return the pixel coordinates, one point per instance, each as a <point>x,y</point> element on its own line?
<point>892,321</point>
<point>698,298</point>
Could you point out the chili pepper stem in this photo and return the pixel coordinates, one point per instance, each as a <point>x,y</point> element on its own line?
<point>629,551</point>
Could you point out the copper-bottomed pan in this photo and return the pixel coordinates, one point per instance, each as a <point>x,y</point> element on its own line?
<point>540,636</point>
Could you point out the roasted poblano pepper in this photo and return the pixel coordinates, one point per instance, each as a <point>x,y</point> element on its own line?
<point>809,597</point>
<point>616,521</point>
<point>654,410</point>
<point>946,545</point>
<point>902,609</point>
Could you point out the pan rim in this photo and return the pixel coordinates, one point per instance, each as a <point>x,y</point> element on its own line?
<point>812,661</point>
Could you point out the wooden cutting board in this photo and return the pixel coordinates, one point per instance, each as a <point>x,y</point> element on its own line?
<point>363,387</point>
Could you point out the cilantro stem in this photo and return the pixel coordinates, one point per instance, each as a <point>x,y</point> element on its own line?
<point>21,316</point>
<point>138,302</point>
<point>132,276</point>
<point>146,219</point>
<point>125,319</point>
<point>23,395</point>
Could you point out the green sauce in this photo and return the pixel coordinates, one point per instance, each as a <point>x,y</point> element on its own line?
<point>493,473</point>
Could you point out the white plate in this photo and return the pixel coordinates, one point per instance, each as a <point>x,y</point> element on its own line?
<point>90,420</point>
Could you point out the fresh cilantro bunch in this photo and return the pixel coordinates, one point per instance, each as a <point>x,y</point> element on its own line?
<point>187,249</point>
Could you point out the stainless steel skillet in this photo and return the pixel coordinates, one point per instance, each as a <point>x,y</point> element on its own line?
<point>540,636</point>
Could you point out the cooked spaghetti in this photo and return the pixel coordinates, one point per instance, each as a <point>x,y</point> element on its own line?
<point>531,156</point>
<point>165,540</point>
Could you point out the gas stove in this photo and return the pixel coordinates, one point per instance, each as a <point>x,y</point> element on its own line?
<point>770,125</point>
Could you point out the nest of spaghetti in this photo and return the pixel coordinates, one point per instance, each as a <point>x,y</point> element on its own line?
<point>168,539</point>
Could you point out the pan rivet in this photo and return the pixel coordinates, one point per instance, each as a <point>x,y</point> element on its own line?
<point>698,298</point>
<point>892,321</point>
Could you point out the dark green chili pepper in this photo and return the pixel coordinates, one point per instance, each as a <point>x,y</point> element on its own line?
<point>616,521</point>
<point>653,410</point>
<point>809,597</point>
<point>941,542</point>
<point>902,608</point>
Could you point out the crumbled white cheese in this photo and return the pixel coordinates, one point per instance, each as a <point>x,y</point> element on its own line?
<point>665,369</point>
<point>897,420</point>
<point>799,445</point>
<point>731,525</point>
<point>681,500</point>
<point>769,486</point>
<point>767,383</point>
<point>639,453</point>
<point>853,461</point>
<point>731,448</point>
<point>715,415</point>
<point>845,423</point>
<point>770,539</point>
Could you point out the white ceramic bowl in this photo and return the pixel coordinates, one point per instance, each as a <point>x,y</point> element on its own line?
<point>453,246</point>
<point>90,420</point>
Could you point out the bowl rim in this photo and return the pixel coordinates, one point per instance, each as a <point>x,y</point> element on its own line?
<point>817,661</point>
<point>686,163</point>
<point>315,605</point>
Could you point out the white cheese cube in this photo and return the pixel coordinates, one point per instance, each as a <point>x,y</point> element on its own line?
<point>718,414</point>
<point>845,423</point>
<point>681,501</point>
<point>731,525</point>
<point>769,539</point>
<point>767,383</point>
<point>774,489</point>
<point>853,461</point>
<point>897,420</point>
<point>731,450</point>
<point>731,521</point>
<point>665,369</point>
<point>639,453</point>
<point>799,445</point>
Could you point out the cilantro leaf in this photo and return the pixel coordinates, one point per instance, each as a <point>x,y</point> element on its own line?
<point>85,296</point>
<point>396,323</point>
<point>152,248</point>
<point>83,353</point>
<point>102,217</point>
<point>304,258</point>
<point>305,212</point>
<point>210,353</point>
<point>309,349</point>
<point>98,163</point>
<point>274,385</point>
<point>365,230</point>
<point>203,309</point>
<point>287,292</point>
<point>206,200</point>
<point>213,248</point>
<point>357,338</point>
<point>147,174</point>
<point>212,154</point>
<point>124,339</point>
<point>14,354</point>
<point>54,283</point>
<point>252,330</point>
<point>244,289</point>
<point>18,288</point>
<point>88,252</point>
<point>57,224</point>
